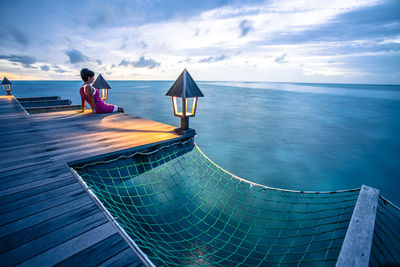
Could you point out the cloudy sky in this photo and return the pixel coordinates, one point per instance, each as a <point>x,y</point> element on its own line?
<point>341,41</point>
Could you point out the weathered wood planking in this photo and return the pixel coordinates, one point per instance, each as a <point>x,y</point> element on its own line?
<point>46,218</point>
<point>357,243</point>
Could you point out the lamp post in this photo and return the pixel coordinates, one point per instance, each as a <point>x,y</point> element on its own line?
<point>6,85</point>
<point>102,86</point>
<point>184,93</point>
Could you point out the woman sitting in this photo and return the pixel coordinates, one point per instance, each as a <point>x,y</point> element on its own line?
<point>92,95</point>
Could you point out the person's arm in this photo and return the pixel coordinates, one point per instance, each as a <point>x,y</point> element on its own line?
<point>89,91</point>
<point>83,104</point>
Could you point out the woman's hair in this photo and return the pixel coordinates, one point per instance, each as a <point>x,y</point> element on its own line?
<point>86,74</point>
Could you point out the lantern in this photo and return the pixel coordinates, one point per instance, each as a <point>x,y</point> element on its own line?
<point>184,93</point>
<point>6,85</point>
<point>102,86</point>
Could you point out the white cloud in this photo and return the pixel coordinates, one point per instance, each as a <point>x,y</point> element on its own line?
<point>248,48</point>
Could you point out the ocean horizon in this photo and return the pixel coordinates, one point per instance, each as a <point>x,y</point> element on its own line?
<point>224,81</point>
<point>300,136</point>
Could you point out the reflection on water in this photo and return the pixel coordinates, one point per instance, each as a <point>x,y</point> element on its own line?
<point>297,136</point>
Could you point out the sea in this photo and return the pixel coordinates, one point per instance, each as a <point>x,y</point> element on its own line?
<point>301,136</point>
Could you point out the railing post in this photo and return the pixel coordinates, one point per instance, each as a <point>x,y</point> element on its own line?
<point>357,243</point>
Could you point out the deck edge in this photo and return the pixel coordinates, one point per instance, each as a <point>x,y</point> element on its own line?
<point>142,256</point>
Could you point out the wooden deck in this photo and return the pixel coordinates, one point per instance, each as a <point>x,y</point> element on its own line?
<point>46,217</point>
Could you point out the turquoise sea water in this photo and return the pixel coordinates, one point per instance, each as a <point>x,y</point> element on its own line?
<point>286,135</point>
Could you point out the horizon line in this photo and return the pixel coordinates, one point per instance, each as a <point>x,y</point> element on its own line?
<point>213,81</point>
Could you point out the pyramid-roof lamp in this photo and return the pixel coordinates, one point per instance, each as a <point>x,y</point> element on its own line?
<point>184,87</point>
<point>100,83</point>
<point>5,81</point>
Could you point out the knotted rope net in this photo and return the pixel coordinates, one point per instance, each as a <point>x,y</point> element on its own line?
<point>386,241</point>
<point>180,208</point>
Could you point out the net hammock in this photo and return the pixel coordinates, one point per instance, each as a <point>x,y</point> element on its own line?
<point>386,240</point>
<point>180,208</point>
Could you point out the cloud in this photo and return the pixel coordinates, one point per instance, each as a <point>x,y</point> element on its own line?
<point>100,19</point>
<point>45,68</point>
<point>99,61</point>
<point>26,61</point>
<point>123,43</point>
<point>245,27</point>
<point>358,47</point>
<point>11,34</point>
<point>374,64</point>
<point>141,63</point>
<point>124,63</point>
<point>311,32</point>
<point>76,56</point>
<point>372,22</point>
<point>143,44</point>
<point>213,59</point>
<point>58,69</point>
<point>187,60</point>
<point>281,59</point>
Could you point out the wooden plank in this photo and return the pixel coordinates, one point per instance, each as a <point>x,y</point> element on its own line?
<point>56,238</point>
<point>26,211</point>
<point>45,215</point>
<point>31,176</point>
<point>26,235</point>
<point>15,129</point>
<point>97,253</point>
<point>106,135</point>
<point>27,169</point>
<point>28,135</point>
<point>72,246</point>
<point>23,140</point>
<point>12,206</point>
<point>35,190</point>
<point>37,98</point>
<point>98,121</point>
<point>53,108</point>
<point>24,137</point>
<point>357,243</point>
<point>119,141</point>
<point>47,103</point>
<point>135,264</point>
<point>72,141</point>
<point>32,179</point>
<point>22,162</point>
<point>114,124</point>
<point>12,190</point>
<point>123,258</point>
<point>48,143</point>
<point>133,141</point>
<point>15,156</point>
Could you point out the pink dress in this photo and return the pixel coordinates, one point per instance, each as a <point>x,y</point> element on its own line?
<point>99,105</point>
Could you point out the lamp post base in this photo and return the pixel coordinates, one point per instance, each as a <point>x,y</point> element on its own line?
<point>188,131</point>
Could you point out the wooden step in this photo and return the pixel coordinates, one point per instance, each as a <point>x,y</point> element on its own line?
<point>53,109</point>
<point>40,98</point>
<point>47,103</point>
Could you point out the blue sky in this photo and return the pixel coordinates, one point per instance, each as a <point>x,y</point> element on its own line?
<point>339,41</point>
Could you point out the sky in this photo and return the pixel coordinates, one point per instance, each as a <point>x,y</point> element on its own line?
<point>335,41</point>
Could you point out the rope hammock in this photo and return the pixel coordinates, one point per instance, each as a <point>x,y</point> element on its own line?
<point>180,208</point>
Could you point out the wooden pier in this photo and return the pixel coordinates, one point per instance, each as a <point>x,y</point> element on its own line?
<point>47,218</point>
